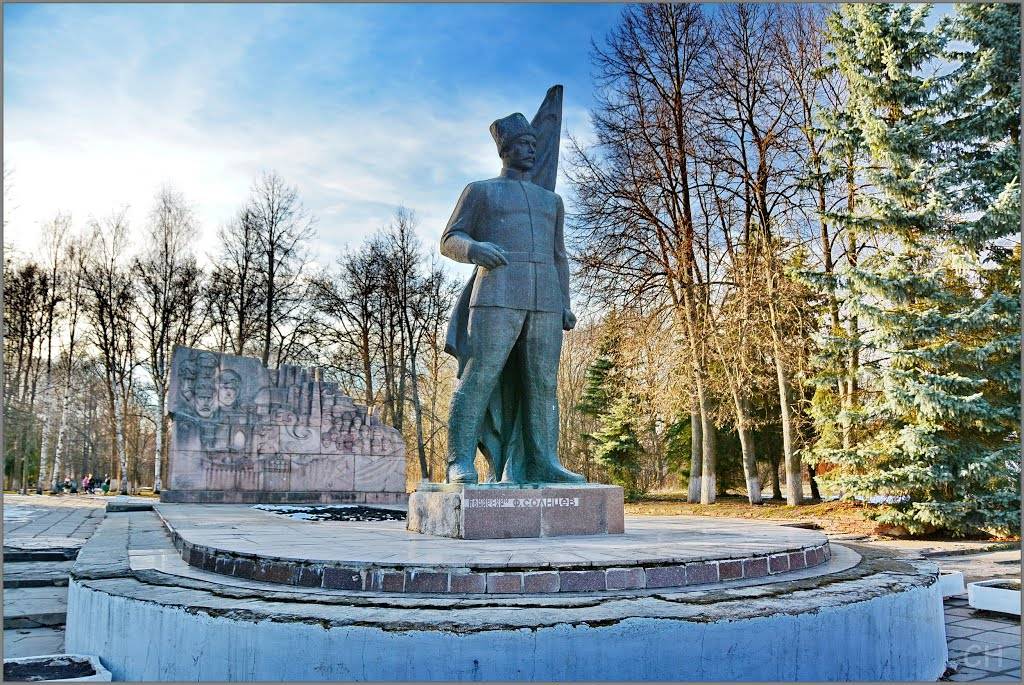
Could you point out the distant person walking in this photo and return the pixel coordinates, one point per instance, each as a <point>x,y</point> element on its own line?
<point>66,485</point>
<point>106,485</point>
<point>87,484</point>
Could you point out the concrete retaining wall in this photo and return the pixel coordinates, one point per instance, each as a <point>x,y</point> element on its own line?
<point>895,636</point>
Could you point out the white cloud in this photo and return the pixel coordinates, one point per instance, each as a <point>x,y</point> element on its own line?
<point>98,131</point>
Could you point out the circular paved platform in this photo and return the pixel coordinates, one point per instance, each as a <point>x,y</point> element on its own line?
<point>654,553</point>
<point>862,615</point>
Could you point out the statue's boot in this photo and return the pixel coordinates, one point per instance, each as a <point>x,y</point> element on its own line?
<point>550,471</point>
<point>461,472</point>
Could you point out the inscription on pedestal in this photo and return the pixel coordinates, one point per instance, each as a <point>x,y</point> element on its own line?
<point>525,502</point>
<point>479,512</point>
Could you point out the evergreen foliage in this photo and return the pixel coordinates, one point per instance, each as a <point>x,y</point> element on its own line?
<point>618,447</point>
<point>601,380</point>
<point>605,398</point>
<point>937,431</point>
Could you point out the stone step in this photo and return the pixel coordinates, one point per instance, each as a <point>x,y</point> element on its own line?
<point>41,548</point>
<point>35,607</point>
<point>22,642</point>
<point>36,573</point>
<point>39,555</point>
<point>123,503</point>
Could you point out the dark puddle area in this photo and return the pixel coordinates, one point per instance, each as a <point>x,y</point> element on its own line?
<point>60,668</point>
<point>336,513</point>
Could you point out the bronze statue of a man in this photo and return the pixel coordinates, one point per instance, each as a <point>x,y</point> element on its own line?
<point>506,330</point>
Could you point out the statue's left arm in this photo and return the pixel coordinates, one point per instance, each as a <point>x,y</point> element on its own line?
<point>562,266</point>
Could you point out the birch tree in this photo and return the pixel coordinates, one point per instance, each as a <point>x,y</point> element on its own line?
<point>110,306</point>
<point>56,234</point>
<point>167,282</point>
<point>76,261</point>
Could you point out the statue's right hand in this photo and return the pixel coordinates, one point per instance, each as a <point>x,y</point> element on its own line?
<point>487,255</point>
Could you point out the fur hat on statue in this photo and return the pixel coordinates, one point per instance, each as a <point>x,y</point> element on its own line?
<point>505,130</point>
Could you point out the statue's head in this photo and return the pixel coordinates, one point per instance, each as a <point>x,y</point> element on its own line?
<point>516,140</point>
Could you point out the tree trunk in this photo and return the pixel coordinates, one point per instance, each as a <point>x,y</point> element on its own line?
<point>158,454</point>
<point>62,428</point>
<point>364,353</point>
<point>119,439</point>
<point>707,474</point>
<point>742,406</point>
<point>421,446</point>
<point>850,396</point>
<point>748,448</point>
<point>794,483</point>
<point>776,486</point>
<point>851,381</point>
<point>815,493</point>
<point>708,486</point>
<point>26,429</point>
<point>268,320</point>
<point>44,446</point>
<point>696,455</point>
<point>23,481</point>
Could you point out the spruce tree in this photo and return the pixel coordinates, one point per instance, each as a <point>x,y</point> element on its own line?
<point>933,428</point>
<point>618,447</point>
<point>601,379</point>
<point>836,357</point>
<point>978,143</point>
<point>606,400</point>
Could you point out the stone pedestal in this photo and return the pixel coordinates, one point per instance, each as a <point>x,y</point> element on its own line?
<point>491,510</point>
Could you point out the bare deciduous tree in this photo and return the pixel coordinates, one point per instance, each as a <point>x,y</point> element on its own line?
<point>634,228</point>
<point>75,260</point>
<point>168,281</point>
<point>111,304</point>
<point>55,236</point>
<point>282,228</point>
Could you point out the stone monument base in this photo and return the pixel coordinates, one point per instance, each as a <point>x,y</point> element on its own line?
<point>494,510</point>
<point>251,596</point>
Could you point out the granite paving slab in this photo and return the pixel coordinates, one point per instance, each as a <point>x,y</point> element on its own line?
<point>668,552</point>
<point>34,607</point>
<point>983,646</point>
<point>22,642</point>
<point>32,516</point>
<point>36,573</point>
<point>976,675</point>
<point>660,539</point>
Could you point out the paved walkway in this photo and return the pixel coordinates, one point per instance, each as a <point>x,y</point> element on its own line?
<point>46,531</point>
<point>54,516</point>
<point>984,644</point>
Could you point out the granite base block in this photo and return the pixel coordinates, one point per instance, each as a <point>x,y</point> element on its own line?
<point>489,511</point>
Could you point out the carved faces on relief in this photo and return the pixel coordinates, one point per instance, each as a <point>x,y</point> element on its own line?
<point>229,384</point>
<point>204,400</point>
<point>207,388</point>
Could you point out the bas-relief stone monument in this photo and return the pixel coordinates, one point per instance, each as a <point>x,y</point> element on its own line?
<point>241,432</point>
<point>506,333</point>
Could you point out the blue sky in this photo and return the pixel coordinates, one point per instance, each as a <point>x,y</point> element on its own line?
<point>363,107</point>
